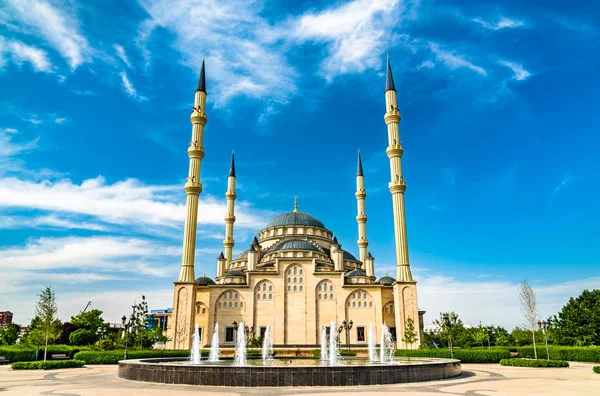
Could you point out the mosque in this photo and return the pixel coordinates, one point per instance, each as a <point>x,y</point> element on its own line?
<point>295,276</point>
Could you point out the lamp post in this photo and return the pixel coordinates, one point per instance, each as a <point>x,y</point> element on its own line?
<point>127,327</point>
<point>449,322</point>
<point>346,326</point>
<point>488,330</point>
<point>543,325</point>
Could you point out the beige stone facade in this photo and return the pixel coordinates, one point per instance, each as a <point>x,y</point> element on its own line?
<point>295,277</point>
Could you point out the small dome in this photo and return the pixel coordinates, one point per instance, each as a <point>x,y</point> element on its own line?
<point>205,281</point>
<point>349,256</point>
<point>295,218</point>
<point>243,255</point>
<point>386,280</point>
<point>356,273</point>
<point>296,244</point>
<point>235,274</point>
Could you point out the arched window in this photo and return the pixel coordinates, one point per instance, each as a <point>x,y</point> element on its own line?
<point>362,298</point>
<point>295,288</point>
<point>270,296</point>
<point>326,286</point>
<point>301,288</point>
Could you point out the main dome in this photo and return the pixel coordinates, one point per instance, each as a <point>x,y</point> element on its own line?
<point>295,219</point>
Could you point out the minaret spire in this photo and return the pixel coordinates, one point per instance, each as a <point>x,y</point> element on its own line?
<point>295,203</point>
<point>193,187</point>
<point>230,195</point>
<point>361,217</point>
<point>397,186</point>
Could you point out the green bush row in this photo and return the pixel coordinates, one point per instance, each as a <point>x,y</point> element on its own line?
<point>534,363</point>
<point>256,352</point>
<point>343,352</point>
<point>596,369</point>
<point>113,357</point>
<point>572,354</point>
<point>47,365</point>
<point>493,355</point>
<point>27,353</point>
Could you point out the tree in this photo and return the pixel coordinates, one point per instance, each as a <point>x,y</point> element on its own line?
<point>9,334</point>
<point>48,324</point>
<point>480,335</point>
<point>89,320</point>
<point>82,337</point>
<point>529,309</point>
<point>410,336</point>
<point>578,321</point>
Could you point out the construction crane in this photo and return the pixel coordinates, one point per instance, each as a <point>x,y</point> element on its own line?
<point>87,306</point>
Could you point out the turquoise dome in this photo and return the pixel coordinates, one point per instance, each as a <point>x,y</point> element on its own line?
<point>296,219</point>
<point>296,244</point>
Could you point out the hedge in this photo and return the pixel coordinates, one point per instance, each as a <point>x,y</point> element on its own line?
<point>255,353</point>
<point>343,352</point>
<point>596,369</point>
<point>47,365</point>
<point>113,357</point>
<point>464,355</point>
<point>534,363</point>
<point>572,354</point>
<point>18,353</point>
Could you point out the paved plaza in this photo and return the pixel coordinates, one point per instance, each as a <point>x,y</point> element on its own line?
<point>477,379</point>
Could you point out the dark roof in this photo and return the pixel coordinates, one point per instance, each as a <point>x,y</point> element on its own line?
<point>349,256</point>
<point>205,281</point>
<point>232,166</point>
<point>386,280</point>
<point>389,78</point>
<point>234,274</point>
<point>202,79</point>
<point>335,241</point>
<point>296,244</point>
<point>255,243</point>
<point>295,218</point>
<point>369,255</point>
<point>221,256</point>
<point>359,171</point>
<point>356,272</point>
<point>242,255</point>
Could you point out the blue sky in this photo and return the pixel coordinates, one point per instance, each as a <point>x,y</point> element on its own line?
<point>500,129</point>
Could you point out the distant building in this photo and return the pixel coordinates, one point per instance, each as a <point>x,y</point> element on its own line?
<point>6,318</point>
<point>158,318</point>
<point>435,329</point>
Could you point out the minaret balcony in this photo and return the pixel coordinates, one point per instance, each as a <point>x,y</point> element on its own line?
<point>230,195</point>
<point>361,218</point>
<point>362,243</point>
<point>397,186</point>
<point>394,150</point>
<point>198,118</point>
<point>361,194</point>
<point>195,152</point>
<point>230,219</point>
<point>193,187</point>
<point>392,117</point>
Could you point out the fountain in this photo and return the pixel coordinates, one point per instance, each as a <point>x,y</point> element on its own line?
<point>330,370</point>
<point>267,347</point>
<point>386,353</point>
<point>372,353</point>
<point>195,355</point>
<point>240,346</point>
<point>324,341</point>
<point>334,353</point>
<point>214,346</point>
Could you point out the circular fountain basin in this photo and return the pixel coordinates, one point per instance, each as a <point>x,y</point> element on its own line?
<point>288,372</point>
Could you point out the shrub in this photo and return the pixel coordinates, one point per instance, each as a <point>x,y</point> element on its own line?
<point>47,365</point>
<point>113,357</point>
<point>533,363</point>
<point>27,353</point>
<point>596,369</point>
<point>343,352</point>
<point>18,353</point>
<point>572,354</point>
<point>492,355</point>
<point>82,337</point>
<point>256,352</point>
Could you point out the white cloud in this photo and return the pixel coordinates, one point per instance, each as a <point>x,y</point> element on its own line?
<point>426,65</point>
<point>60,120</point>
<point>129,88</point>
<point>520,73</point>
<point>121,54</point>
<point>502,23</point>
<point>9,148</point>
<point>21,53</point>
<point>454,61</point>
<point>357,34</point>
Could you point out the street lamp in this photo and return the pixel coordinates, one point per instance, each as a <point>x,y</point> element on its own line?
<point>127,327</point>
<point>346,326</point>
<point>488,330</point>
<point>543,325</point>
<point>449,322</point>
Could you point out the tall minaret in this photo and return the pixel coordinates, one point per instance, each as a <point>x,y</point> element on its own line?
<point>230,215</point>
<point>361,217</point>
<point>397,186</point>
<point>193,187</point>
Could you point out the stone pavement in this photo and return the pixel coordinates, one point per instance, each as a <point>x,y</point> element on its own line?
<point>477,379</point>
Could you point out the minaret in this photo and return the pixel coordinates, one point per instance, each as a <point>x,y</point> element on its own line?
<point>397,186</point>
<point>193,187</point>
<point>361,217</point>
<point>230,215</point>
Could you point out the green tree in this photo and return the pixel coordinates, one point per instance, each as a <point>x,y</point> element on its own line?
<point>89,320</point>
<point>82,337</point>
<point>410,336</point>
<point>479,335</point>
<point>48,324</point>
<point>9,334</point>
<point>578,322</point>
